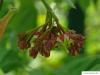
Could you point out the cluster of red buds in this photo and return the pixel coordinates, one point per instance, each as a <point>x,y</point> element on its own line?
<point>76,41</point>
<point>44,38</point>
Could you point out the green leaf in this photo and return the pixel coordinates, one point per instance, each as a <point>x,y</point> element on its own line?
<point>70,3</point>
<point>75,65</point>
<point>96,67</point>
<point>25,17</point>
<point>1,2</point>
<point>10,60</point>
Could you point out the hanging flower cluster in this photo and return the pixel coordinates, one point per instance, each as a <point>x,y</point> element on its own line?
<point>76,41</point>
<point>43,39</point>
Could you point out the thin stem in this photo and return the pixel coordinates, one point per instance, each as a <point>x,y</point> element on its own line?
<point>31,33</point>
<point>46,21</point>
<point>53,14</point>
<point>49,9</point>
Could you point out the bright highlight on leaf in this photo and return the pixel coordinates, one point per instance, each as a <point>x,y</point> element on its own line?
<point>70,3</point>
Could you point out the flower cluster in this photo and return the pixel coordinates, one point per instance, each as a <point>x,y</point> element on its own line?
<point>40,41</point>
<point>77,41</point>
<point>44,38</point>
<point>43,44</point>
<point>22,41</point>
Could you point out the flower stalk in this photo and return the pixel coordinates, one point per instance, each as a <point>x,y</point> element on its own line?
<point>43,39</point>
<point>49,9</point>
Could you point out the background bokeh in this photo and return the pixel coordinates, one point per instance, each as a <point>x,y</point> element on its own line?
<point>83,16</point>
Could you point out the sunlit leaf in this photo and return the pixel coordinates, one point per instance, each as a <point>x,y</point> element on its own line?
<point>69,2</point>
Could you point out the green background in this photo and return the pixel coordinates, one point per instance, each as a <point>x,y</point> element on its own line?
<point>31,13</point>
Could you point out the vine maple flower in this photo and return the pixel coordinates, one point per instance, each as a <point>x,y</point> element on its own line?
<point>43,44</point>
<point>22,41</point>
<point>77,41</point>
<point>45,38</point>
<point>49,43</point>
<point>33,52</point>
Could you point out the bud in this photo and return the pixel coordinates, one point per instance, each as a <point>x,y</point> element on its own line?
<point>22,42</point>
<point>33,52</point>
<point>76,44</point>
<point>46,53</point>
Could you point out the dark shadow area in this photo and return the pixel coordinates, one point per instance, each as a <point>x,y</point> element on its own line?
<point>76,19</point>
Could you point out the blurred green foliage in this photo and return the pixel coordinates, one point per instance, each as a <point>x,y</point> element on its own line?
<point>31,13</point>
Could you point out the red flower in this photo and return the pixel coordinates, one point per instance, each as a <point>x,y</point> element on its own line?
<point>45,39</point>
<point>77,43</point>
<point>22,42</point>
<point>33,52</point>
<point>43,44</point>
